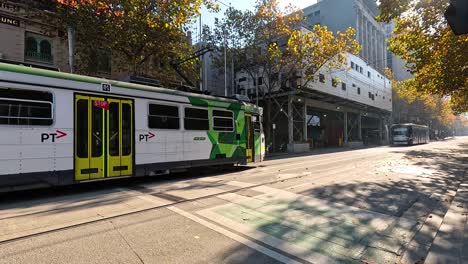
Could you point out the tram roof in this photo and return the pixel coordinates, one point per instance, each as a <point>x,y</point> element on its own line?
<point>95,80</point>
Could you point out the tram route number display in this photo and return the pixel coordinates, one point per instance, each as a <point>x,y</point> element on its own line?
<point>145,137</point>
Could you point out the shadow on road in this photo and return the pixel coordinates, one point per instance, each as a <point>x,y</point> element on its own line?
<point>413,201</point>
<point>62,193</point>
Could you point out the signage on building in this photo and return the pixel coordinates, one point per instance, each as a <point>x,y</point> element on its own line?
<point>9,21</point>
<point>9,7</point>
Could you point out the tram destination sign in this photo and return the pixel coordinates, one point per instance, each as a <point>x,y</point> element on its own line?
<point>9,21</point>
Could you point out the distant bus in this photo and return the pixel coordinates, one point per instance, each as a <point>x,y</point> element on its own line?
<point>409,134</point>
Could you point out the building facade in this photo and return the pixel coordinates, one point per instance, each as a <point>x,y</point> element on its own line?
<point>396,63</point>
<point>338,15</point>
<point>28,40</point>
<point>346,106</point>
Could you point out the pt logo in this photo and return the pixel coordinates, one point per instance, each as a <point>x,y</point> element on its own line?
<point>46,137</point>
<point>145,137</point>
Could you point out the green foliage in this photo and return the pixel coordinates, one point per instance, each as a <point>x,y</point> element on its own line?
<point>412,105</point>
<point>269,42</point>
<point>140,34</point>
<point>435,56</point>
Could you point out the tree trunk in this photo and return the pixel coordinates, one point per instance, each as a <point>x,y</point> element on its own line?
<point>267,122</point>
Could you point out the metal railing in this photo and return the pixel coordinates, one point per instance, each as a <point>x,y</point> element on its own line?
<point>37,56</point>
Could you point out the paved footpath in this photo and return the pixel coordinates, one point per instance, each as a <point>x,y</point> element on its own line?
<point>377,205</point>
<point>451,242</point>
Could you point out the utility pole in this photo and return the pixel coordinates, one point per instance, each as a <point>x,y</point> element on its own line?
<point>201,55</point>
<point>256,87</point>
<point>233,77</point>
<point>71,48</point>
<point>225,63</point>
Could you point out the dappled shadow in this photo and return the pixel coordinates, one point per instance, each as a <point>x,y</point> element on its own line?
<point>390,220</point>
<point>60,193</point>
<point>315,152</point>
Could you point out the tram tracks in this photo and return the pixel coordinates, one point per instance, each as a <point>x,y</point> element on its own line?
<point>297,171</point>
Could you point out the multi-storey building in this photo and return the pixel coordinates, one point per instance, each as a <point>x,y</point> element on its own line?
<point>29,40</point>
<point>338,15</point>
<point>346,105</point>
<point>396,63</point>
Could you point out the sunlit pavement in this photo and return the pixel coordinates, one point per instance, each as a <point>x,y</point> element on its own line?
<point>377,205</point>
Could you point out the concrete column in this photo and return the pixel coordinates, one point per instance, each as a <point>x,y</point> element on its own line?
<point>380,131</point>
<point>360,127</point>
<point>290,121</point>
<point>376,49</point>
<point>345,127</point>
<point>305,123</point>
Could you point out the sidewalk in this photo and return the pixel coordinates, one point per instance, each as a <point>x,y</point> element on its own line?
<point>317,151</point>
<point>451,242</point>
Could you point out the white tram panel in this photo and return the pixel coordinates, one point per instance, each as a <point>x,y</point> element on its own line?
<point>164,145</point>
<point>23,148</point>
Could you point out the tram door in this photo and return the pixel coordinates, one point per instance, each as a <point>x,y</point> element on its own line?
<point>103,137</point>
<point>250,143</point>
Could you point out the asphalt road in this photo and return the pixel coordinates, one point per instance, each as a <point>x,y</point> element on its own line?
<point>376,205</point>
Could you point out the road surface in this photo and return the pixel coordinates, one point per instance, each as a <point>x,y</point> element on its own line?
<point>376,205</point>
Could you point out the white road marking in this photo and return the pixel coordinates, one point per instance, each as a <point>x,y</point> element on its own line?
<point>280,244</point>
<point>234,236</point>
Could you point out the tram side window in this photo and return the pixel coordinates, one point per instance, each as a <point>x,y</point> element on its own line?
<point>24,107</point>
<point>163,116</point>
<point>257,125</point>
<point>196,119</point>
<point>223,120</point>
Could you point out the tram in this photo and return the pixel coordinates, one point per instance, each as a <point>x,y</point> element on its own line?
<point>409,134</point>
<point>61,129</point>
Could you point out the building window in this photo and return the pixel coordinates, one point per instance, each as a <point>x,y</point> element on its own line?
<point>101,62</point>
<point>317,13</point>
<point>260,80</point>
<point>322,78</point>
<point>354,85</point>
<point>163,116</point>
<point>368,74</point>
<point>223,121</point>
<point>373,97</point>
<point>243,79</point>
<point>358,90</point>
<point>196,119</point>
<point>45,48</point>
<point>334,82</point>
<point>357,67</point>
<point>370,95</point>
<point>383,97</point>
<point>25,107</point>
<point>343,86</point>
<point>352,65</point>
<point>38,48</point>
<point>360,69</point>
<point>31,45</point>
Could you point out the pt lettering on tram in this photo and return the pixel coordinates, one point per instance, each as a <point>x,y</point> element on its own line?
<point>96,129</point>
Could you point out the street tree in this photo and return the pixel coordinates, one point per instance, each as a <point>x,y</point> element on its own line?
<point>435,56</point>
<point>311,51</point>
<point>271,44</point>
<point>256,41</point>
<point>140,34</point>
<point>413,105</point>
